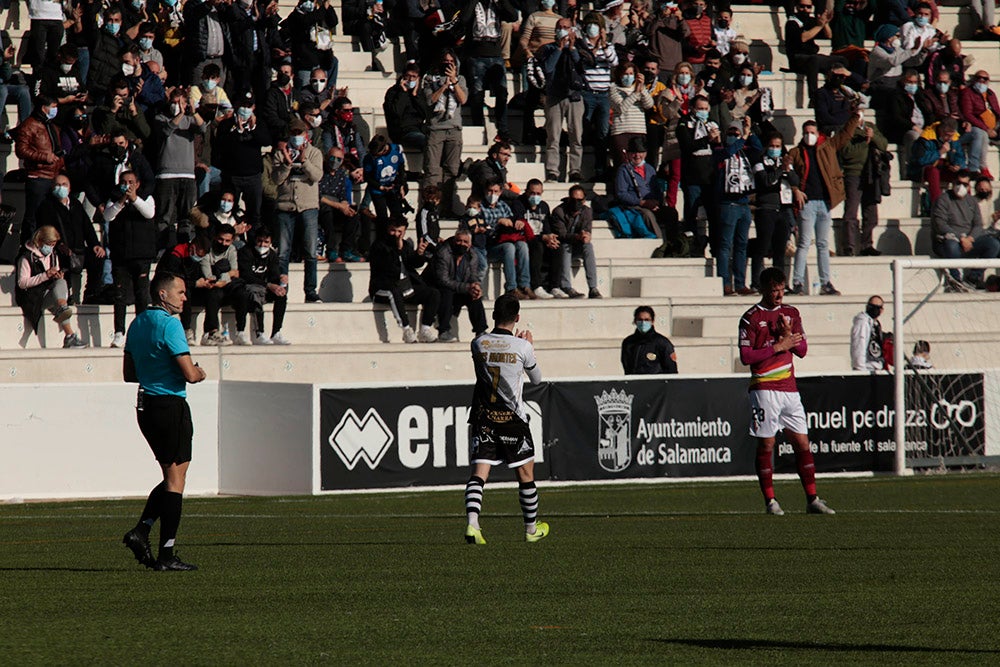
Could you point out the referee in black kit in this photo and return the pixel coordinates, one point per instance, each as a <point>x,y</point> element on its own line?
<point>158,358</point>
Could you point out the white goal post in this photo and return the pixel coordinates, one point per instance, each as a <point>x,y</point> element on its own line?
<point>901,316</point>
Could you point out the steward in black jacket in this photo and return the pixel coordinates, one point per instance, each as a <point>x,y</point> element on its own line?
<point>648,353</point>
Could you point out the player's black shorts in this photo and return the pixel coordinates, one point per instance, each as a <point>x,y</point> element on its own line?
<point>497,442</point>
<point>165,421</point>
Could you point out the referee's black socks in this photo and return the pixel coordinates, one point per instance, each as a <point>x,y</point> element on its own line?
<point>170,519</point>
<point>153,509</point>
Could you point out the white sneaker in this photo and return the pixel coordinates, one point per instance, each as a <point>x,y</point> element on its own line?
<point>409,335</point>
<point>427,334</point>
<point>261,339</point>
<point>542,293</point>
<point>118,340</point>
<point>241,338</point>
<point>279,339</point>
<point>214,338</point>
<point>558,293</point>
<point>774,508</point>
<point>189,334</point>
<point>818,506</point>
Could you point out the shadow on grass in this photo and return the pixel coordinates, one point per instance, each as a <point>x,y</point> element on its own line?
<point>61,569</point>
<point>755,644</point>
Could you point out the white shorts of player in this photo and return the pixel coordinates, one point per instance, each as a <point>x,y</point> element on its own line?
<point>772,411</point>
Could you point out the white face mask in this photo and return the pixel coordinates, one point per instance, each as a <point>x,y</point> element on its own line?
<point>128,70</point>
<point>65,67</point>
<point>811,139</point>
<point>318,86</point>
<point>961,190</point>
<point>739,58</point>
<point>263,250</point>
<point>175,109</point>
<point>492,199</point>
<point>472,212</point>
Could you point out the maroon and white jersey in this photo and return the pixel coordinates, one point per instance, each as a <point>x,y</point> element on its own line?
<point>769,370</point>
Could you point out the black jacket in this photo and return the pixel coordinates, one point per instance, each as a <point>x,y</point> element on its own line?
<point>131,236</point>
<point>75,228</point>
<point>105,62</point>
<point>256,269</point>
<point>386,261</point>
<point>276,111</point>
<point>238,153</point>
<point>105,175</point>
<point>648,354</point>
<point>446,273</point>
<point>295,32</point>
<point>404,113</point>
<point>242,27</point>
<point>195,42</point>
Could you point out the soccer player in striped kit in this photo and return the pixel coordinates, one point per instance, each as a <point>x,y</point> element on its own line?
<point>770,333</point>
<point>498,421</point>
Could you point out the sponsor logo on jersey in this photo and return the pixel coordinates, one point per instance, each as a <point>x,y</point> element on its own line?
<point>614,430</point>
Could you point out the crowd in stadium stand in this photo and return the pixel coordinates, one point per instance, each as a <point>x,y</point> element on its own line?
<point>210,138</point>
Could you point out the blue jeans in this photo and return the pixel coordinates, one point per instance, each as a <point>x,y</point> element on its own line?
<point>814,222</point>
<point>984,247</point>
<point>21,95</point>
<point>514,257</point>
<point>286,225</point>
<point>209,180</point>
<point>83,61</point>
<point>488,75</point>
<point>597,113</point>
<point>483,263</point>
<point>976,143</point>
<point>734,223</point>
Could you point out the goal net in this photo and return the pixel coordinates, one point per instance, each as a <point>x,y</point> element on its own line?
<point>946,328</point>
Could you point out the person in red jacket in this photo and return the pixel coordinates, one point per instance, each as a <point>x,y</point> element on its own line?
<point>38,146</point>
<point>979,105</point>
<point>699,38</point>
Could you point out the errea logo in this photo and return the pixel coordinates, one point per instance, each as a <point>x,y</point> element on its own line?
<point>355,439</point>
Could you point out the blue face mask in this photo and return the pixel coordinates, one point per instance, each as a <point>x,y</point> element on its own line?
<point>306,6</point>
<point>683,79</point>
<point>774,153</point>
<point>170,3</point>
<point>47,250</point>
<point>210,84</point>
<point>297,141</point>
<point>534,200</point>
<point>113,28</point>
<point>593,30</point>
<point>980,87</point>
<point>943,87</point>
<point>746,81</point>
<point>123,188</point>
<point>701,114</point>
<point>60,191</point>
<point>145,43</point>
<point>910,88</point>
<point>548,4</point>
<point>643,326</point>
<point>244,113</point>
<point>225,206</point>
<point>628,80</point>
<point>730,139</point>
<point>921,21</point>
<point>52,112</point>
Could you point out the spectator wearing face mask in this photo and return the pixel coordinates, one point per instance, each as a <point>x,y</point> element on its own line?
<point>177,128</point>
<point>834,102</point>
<point>213,211</point>
<point>906,118</point>
<point>144,83</point>
<point>543,248</point>
<point>339,195</point>
<point>39,147</point>
<point>665,32</point>
<point>937,156</point>
<point>572,223</point>
<point>236,152</point>
<point>276,111</point>
<point>647,351</point>
<point>316,94</point>
<point>850,24</point>
<point>209,92</point>
<point>130,219</point>
<point>220,269</point>
<point>629,102</point>
<point>987,207</point>
<point>774,218</point>
<point>820,189</point>
<point>346,128</point>
<point>148,53</point>
<point>958,230</point>
<point>699,37</point>
<point>60,79</point>
<point>862,160</point>
<point>734,185</point>
<point>445,92</point>
<point>264,283</point>
<point>920,37</point>
<point>77,239</point>
<point>801,33</point>
<point>121,113</point>
<point>599,59</point>
<point>385,175</point>
<point>251,28</point>
<point>206,40</point>
<point>184,260</point>
<point>406,110</point>
<point>885,64</point>
<point>105,63</point>
<point>119,156</point>
<point>305,31</point>
<point>723,32</point>
<point>395,283</point>
<point>297,167</point>
<point>695,135</point>
<point>538,31</point>
<point>980,107</point>
<point>454,271</point>
<point>564,84</point>
<point>40,284</point>
<point>866,337</point>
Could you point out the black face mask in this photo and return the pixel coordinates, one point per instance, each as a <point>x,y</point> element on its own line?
<point>649,75</point>
<point>575,205</point>
<point>218,248</point>
<point>836,81</point>
<point>459,250</point>
<point>283,80</point>
<point>118,152</point>
<point>79,122</point>
<point>984,195</point>
<point>873,310</point>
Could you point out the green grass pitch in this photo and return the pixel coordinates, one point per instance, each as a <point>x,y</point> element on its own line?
<point>907,572</point>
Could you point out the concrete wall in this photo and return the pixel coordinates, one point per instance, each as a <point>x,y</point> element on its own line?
<point>82,441</point>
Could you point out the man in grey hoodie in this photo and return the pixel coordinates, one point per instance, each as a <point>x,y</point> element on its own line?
<point>177,127</point>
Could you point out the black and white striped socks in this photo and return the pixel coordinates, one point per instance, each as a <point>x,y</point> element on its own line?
<point>528,495</point>
<point>474,500</point>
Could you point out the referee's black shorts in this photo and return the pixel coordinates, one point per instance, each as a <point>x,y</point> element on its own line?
<point>165,422</point>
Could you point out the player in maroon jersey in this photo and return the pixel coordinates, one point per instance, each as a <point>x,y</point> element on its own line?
<point>770,333</point>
